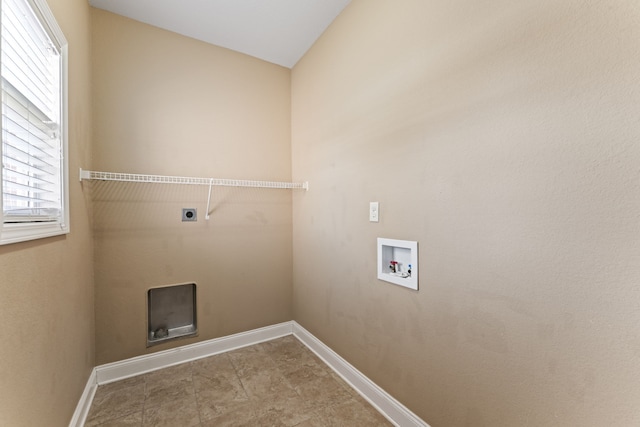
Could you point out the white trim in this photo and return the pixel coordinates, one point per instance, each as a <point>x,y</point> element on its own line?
<point>22,232</point>
<point>117,371</point>
<point>389,407</point>
<point>48,21</point>
<point>394,411</point>
<point>84,404</point>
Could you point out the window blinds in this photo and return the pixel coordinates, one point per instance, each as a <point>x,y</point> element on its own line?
<point>31,140</point>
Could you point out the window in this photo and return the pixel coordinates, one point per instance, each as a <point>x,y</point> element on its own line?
<point>34,141</point>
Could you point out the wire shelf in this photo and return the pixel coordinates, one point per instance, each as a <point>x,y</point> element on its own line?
<point>185,180</point>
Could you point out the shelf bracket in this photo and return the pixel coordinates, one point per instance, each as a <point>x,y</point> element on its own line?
<point>209,200</point>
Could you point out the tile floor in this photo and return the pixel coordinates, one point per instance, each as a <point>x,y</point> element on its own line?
<point>277,383</point>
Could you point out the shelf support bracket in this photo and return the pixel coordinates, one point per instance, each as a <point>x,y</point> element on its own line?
<point>209,200</point>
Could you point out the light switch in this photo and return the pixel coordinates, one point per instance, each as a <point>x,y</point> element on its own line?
<point>374,211</point>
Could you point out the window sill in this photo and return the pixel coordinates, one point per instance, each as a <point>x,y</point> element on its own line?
<point>15,233</point>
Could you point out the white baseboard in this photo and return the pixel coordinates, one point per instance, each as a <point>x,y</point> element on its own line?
<point>393,410</point>
<point>163,359</point>
<point>84,404</point>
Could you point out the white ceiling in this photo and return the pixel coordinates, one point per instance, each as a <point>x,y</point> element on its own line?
<point>277,31</point>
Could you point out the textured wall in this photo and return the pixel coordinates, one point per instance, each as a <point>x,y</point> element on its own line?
<point>503,136</point>
<point>169,105</point>
<point>46,307</point>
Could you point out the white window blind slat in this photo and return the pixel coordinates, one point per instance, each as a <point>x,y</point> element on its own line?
<point>32,160</point>
<point>24,132</point>
<point>25,63</point>
<point>24,50</point>
<point>24,40</point>
<point>20,161</point>
<point>30,180</point>
<point>20,114</point>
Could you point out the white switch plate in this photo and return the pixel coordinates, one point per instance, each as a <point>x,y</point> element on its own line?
<point>374,211</point>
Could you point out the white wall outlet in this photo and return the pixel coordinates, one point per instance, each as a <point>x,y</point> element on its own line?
<point>374,211</point>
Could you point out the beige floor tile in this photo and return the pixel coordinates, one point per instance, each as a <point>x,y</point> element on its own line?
<point>313,421</point>
<point>351,414</point>
<point>241,415</point>
<point>298,374</point>
<point>289,411</point>
<point>250,360</point>
<point>322,392</point>
<point>131,420</point>
<point>119,386</point>
<point>213,367</point>
<point>219,389</point>
<point>159,378</point>
<point>178,413</point>
<point>265,420</point>
<point>344,385</point>
<point>163,393</point>
<point>113,401</point>
<point>218,396</point>
<point>286,348</point>
<point>207,410</point>
<point>276,383</point>
<point>262,384</point>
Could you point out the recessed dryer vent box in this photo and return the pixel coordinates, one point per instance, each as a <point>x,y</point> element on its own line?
<point>398,262</point>
<point>171,313</point>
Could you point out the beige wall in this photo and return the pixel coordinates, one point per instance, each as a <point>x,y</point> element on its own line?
<point>46,307</point>
<point>170,105</point>
<point>503,137</point>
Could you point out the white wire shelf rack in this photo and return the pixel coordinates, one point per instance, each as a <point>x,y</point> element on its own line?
<point>164,179</point>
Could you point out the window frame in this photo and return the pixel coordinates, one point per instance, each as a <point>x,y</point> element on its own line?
<point>25,231</point>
